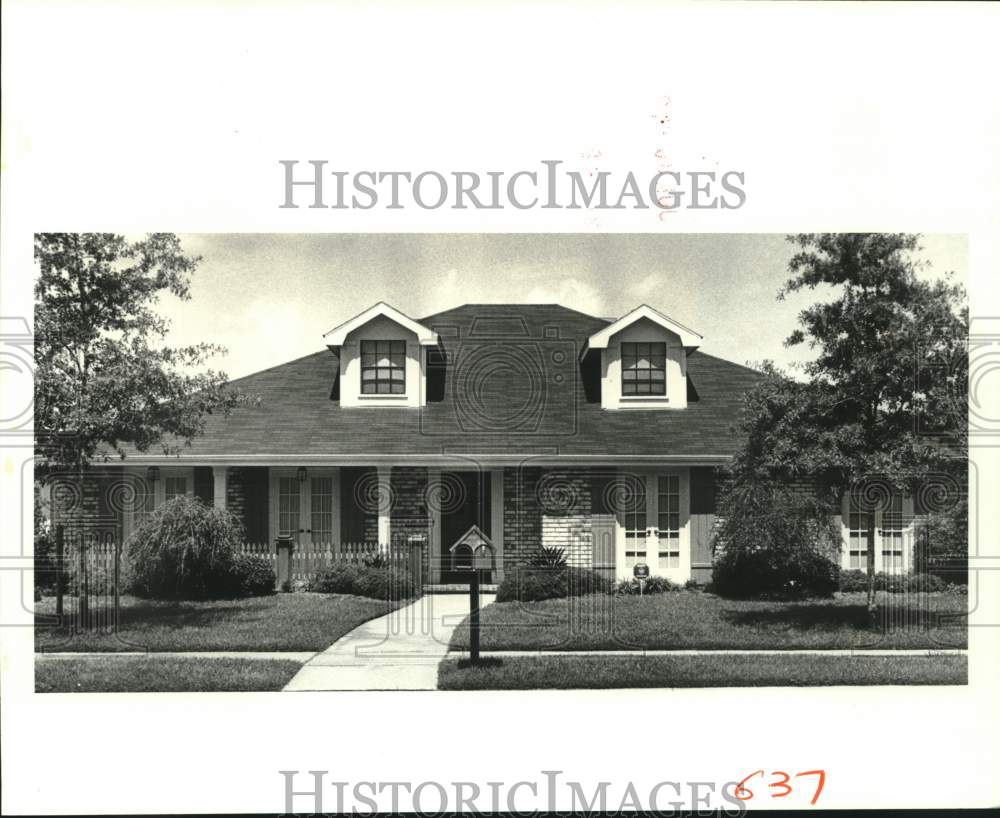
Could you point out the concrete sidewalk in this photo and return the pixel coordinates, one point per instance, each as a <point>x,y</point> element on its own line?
<point>290,656</point>
<point>399,651</point>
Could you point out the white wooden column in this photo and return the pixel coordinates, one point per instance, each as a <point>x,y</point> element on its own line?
<point>496,520</point>
<point>434,492</point>
<point>384,509</point>
<point>219,477</point>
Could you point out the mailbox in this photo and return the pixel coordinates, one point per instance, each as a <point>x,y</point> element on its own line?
<point>640,571</point>
<point>482,558</point>
<point>472,552</point>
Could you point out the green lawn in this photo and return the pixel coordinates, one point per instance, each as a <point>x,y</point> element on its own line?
<point>158,674</point>
<point>569,672</point>
<point>693,619</point>
<point>280,622</point>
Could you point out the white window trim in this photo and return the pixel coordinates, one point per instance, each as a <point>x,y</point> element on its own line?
<point>682,573</point>
<point>907,538</point>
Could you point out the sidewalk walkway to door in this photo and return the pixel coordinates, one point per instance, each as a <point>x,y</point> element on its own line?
<point>399,651</point>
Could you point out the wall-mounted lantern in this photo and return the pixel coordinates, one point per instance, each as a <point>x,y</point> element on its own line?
<point>153,474</point>
<point>302,474</point>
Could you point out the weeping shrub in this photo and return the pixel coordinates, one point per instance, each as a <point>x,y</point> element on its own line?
<point>185,550</point>
<point>773,542</point>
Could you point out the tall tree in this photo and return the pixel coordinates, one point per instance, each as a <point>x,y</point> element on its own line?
<point>103,377</point>
<point>883,408</point>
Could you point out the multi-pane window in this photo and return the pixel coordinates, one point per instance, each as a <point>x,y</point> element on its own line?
<point>644,369</point>
<point>142,502</point>
<point>174,487</point>
<point>668,508</point>
<point>634,516</point>
<point>383,367</point>
<point>892,534</point>
<point>288,505</point>
<point>321,509</point>
<point>857,537</point>
<point>890,530</point>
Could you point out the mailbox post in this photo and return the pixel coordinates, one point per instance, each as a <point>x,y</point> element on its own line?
<point>480,559</point>
<point>474,616</point>
<point>283,547</point>
<point>641,572</point>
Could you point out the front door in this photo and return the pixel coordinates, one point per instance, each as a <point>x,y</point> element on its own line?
<point>306,508</point>
<point>471,506</point>
<point>652,524</point>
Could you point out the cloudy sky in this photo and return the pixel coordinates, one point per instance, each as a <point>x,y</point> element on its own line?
<point>270,298</point>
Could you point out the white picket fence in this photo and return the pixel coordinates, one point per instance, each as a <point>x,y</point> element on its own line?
<point>308,560</point>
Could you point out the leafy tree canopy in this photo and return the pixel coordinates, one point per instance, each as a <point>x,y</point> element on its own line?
<point>886,390</point>
<point>104,379</point>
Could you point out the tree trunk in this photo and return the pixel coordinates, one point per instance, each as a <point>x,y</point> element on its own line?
<point>83,586</point>
<point>871,564</point>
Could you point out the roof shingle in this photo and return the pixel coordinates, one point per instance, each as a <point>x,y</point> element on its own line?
<point>510,381</point>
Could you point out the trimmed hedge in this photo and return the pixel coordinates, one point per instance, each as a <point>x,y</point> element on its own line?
<point>854,581</point>
<point>533,584</point>
<point>364,580</point>
<point>253,575</point>
<point>794,574</point>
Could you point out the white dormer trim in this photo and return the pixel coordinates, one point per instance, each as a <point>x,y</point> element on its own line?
<point>600,340</point>
<point>425,335</point>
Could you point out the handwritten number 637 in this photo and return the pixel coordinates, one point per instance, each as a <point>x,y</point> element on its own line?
<point>780,783</point>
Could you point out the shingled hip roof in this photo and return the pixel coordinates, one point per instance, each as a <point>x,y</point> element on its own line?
<point>505,380</point>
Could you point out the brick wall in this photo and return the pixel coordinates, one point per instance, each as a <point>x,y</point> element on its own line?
<point>565,505</point>
<point>93,510</point>
<point>409,515</point>
<point>548,508</point>
<point>522,529</point>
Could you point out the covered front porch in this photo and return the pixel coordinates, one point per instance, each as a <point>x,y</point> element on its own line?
<point>500,516</point>
<point>455,515</point>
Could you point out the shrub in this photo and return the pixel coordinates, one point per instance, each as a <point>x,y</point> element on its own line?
<point>857,581</point>
<point>853,581</point>
<point>942,541</point>
<point>339,578</point>
<point>773,542</point>
<point>252,575</point>
<point>376,559</point>
<point>184,550</point>
<point>757,574</point>
<point>653,585</point>
<point>890,583</point>
<point>925,583</point>
<point>549,558</point>
<point>46,570</point>
<point>533,584</point>
<point>364,580</point>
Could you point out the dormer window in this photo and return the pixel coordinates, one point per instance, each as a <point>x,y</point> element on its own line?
<point>643,361</point>
<point>383,367</point>
<point>644,369</point>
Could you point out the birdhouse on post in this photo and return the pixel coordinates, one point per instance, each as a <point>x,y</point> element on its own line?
<point>473,551</point>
